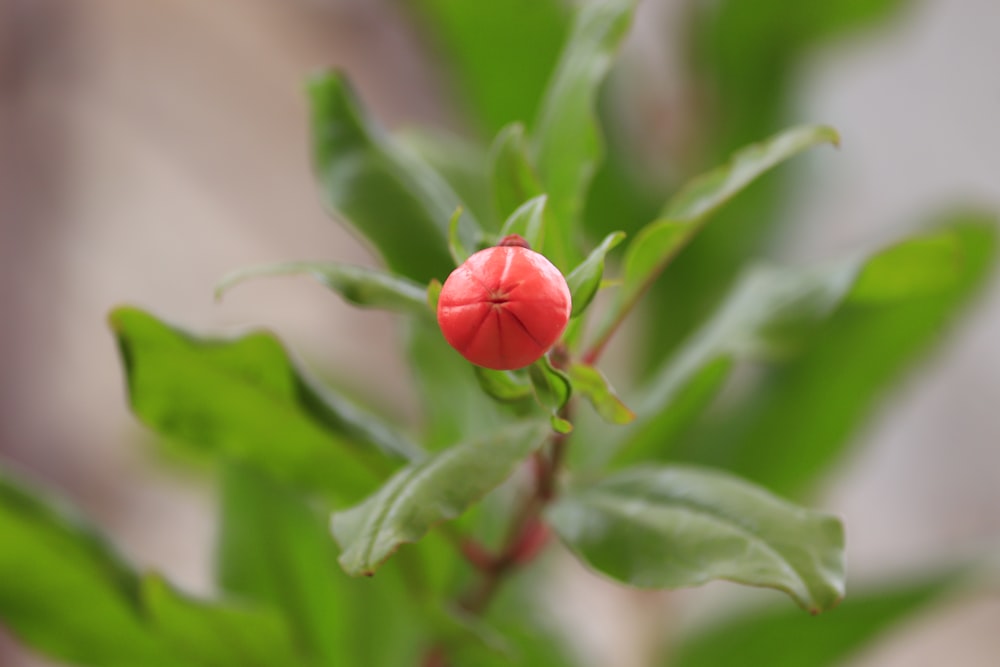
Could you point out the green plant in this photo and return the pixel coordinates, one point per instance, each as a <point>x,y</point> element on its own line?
<point>648,489</point>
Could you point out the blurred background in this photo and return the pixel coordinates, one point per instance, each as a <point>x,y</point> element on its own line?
<point>147,148</point>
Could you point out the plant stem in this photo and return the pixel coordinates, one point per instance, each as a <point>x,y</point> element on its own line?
<point>524,532</point>
<point>526,535</point>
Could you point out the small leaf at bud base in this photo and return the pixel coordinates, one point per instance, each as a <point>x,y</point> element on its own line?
<point>505,306</point>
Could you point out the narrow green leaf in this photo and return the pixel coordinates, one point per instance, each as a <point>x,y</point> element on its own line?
<point>504,386</point>
<point>925,266</point>
<point>454,407</point>
<point>434,294</point>
<point>459,253</point>
<point>669,527</point>
<point>777,637</point>
<point>497,82</point>
<point>767,302</point>
<point>51,562</point>
<point>820,394</point>
<point>812,326</point>
<point>242,399</point>
<point>566,142</point>
<point>552,386</point>
<point>656,245</point>
<point>686,399</point>
<point>528,221</point>
<point>560,425</point>
<point>461,162</point>
<point>359,285</point>
<point>214,634</point>
<point>392,198</point>
<point>585,279</point>
<point>592,384</point>
<point>437,489</point>
<point>275,548</point>
<point>512,176</point>
<point>709,191</point>
<point>751,59</point>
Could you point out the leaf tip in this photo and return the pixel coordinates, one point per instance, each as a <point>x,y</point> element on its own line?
<point>831,134</point>
<point>561,426</point>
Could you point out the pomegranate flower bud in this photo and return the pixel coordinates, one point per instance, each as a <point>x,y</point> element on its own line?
<point>505,306</point>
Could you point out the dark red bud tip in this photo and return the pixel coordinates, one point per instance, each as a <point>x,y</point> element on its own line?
<point>514,240</point>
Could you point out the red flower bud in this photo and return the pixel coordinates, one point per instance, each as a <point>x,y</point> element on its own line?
<point>505,306</point>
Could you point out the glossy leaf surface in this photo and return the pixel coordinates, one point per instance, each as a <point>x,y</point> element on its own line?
<point>439,488</point>
<point>528,221</point>
<point>767,299</point>
<point>455,409</point>
<point>585,279</point>
<point>214,634</point>
<point>810,325</point>
<point>50,558</point>
<point>501,54</point>
<point>505,386</point>
<point>393,199</point>
<point>275,549</point>
<point>359,285</point>
<point>779,637</point>
<point>668,527</point>
<point>513,178</point>
<point>242,399</point>
<point>566,139</point>
<point>658,243</point>
<point>592,385</point>
<point>53,562</point>
<point>750,55</point>
<point>818,396</point>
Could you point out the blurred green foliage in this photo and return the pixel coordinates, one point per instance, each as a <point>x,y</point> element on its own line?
<point>823,343</point>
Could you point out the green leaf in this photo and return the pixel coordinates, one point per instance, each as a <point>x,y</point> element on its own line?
<point>462,163</point>
<point>54,558</point>
<point>359,285</point>
<point>686,398</point>
<point>500,53</point>
<point>831,347</point>
<point>393,199</point>
<point>750,55</point>
<point>585,279</point>
<point>454,407</point>
<point>215,634</point>
<point>709,191</point>
<point>275,548</point>
<point>778,637</point>
<point>592,384</point>
<point>925,266</point>
<point>668,527</point>
<point>459,253</point>
<point>566,142</point>
<point>767,301</point>
<point>512,176</point>
<point>504,386</point>
<point>518,612</point>
<point>242,399</point>
<point>818,397</point>
<point>51,563</point>
<point>434,294</point>
<point>528,221</point>
<point>656,245</point>
<point>439,488</point>
<point>552,391</point>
